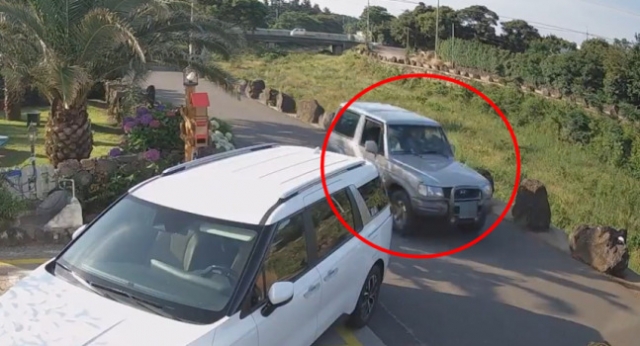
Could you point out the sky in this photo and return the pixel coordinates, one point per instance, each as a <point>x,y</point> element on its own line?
<point>575,18</point>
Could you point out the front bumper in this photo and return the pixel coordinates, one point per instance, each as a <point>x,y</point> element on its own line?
<point>457,211</point>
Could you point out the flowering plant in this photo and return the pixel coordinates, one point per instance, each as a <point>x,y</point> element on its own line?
<point>151,131</point>
<point>220,135</point>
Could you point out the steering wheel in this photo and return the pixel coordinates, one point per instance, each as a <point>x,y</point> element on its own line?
<point>216,269</point>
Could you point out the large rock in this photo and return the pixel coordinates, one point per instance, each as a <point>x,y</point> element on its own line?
<point>327,118</point>
<point>269,97</point>
<point>532,209</point>
<point>603,248</point>
<point>255,88</point>
<point>310,111</point>
<point>286,103</point>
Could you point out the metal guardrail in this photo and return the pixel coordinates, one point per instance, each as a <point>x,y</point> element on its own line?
<point>307,34</point>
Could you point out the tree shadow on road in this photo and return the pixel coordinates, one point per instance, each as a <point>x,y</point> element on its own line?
<point>508,266</point>
<point>247,132</point>
<point>443,319</point>
<point>171,96</point>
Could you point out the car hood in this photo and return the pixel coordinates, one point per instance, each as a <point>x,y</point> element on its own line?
<point>441,171</point>
<point>42,309</point>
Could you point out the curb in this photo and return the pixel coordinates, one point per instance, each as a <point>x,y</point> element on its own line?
<point>558,239</point>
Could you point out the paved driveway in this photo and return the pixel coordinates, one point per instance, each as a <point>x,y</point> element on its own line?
<point>510,289</point>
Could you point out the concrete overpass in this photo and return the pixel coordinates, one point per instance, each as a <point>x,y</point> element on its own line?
<point>337,42</point>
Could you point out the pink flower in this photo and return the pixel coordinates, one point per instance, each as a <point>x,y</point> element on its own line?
<point>152,155</point>
<point>171,113</point>
<point>128,126</point>
<point>155,123</point>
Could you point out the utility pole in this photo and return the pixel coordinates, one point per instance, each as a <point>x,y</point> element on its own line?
<point>367,39</point>
<point>437,26</point>
<point>453,42</point>
<point>190,38</point>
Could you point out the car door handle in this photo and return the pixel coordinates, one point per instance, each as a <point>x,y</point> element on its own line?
<point>311,290</point>
<point>331,274</point>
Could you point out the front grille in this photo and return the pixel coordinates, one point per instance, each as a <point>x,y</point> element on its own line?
<point>446,191</point>
<point>466,194</point>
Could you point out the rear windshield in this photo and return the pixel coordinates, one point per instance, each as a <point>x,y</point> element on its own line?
<point>186,263</point>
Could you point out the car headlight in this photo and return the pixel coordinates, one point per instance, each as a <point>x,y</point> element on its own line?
<point>487,190</point>
<point>430,191</point>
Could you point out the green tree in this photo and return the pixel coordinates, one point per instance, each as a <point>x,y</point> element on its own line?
<point>517,35</point>
<point>478,22</point>
<point>82,42</point>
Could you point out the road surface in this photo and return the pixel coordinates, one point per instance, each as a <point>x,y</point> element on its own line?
<point>510,289</point>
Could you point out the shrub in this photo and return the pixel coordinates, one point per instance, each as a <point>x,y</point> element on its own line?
<point>531,110</point>
<point>574,127</point>
<point>10,205</point>
<point>153,129</point>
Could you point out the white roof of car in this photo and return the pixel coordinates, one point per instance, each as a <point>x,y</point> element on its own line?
<point>390,114</point>
<point>241,188</point>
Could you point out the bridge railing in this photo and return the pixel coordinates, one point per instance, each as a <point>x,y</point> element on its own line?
<point>307,34</point>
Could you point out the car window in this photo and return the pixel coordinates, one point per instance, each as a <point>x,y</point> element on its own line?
<point>187,261</point>
<point>373,131</point>
<point>374,195</point>
<point>287,256</point>
<point>330,233</point>
<point>347,124</point>
<point>417,139</point>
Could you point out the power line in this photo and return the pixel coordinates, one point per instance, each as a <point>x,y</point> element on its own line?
<point>538,25</point>
<point>618,9</point>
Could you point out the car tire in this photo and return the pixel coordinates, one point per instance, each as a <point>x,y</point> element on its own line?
<point>402,211</point>
<point>367,299</point>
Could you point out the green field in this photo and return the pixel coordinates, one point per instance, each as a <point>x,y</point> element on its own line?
<point>18,150</point>
<point>583,186</point>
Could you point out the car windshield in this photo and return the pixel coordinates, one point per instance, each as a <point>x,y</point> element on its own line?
<point>417,140</point>
<point>186,264</point>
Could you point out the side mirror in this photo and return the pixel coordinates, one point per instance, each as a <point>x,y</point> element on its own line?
<point>78,231</point>
<point>371,147</point>
<point>453,149</point>
<point>280,293</point>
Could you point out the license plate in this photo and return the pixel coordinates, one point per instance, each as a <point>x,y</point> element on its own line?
<point>468,210</point>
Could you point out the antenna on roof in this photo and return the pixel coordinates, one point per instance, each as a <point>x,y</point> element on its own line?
<point>317,151</point>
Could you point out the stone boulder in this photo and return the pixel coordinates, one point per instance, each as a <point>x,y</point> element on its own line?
<point>269,97</point>
<point>327,118</point>
<point>603,248</point>
<point>531,208</point>
<point>394,59</point>
<point>285,103</point>
<point>255,88</point>
<point>309,111</point>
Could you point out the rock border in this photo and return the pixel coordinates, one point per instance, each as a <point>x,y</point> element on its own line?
<point>559,240</point>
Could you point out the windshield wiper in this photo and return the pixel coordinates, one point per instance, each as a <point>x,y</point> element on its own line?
<point>108,293</point>
<point>82,281</point>
<point>143,303</point>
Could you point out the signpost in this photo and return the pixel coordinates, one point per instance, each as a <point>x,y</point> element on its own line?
<point>195,118</point>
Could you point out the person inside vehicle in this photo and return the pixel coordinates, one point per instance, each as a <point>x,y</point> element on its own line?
<point>414,140</point>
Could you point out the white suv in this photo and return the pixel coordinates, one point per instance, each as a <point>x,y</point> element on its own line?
<point>239,248</point>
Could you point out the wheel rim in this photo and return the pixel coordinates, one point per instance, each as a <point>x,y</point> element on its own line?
<point>399,214</point>
<point>369,296</point>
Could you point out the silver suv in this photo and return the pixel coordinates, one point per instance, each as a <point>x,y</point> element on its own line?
<point>417,164</point>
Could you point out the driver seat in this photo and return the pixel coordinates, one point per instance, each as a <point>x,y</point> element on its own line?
<point>203,249</point>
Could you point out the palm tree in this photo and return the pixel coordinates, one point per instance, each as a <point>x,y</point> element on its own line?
<point>83,42</point>
<point>15,72</point>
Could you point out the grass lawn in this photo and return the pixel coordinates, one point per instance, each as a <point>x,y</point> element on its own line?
<point>18,150</point>
<point>582,188</point>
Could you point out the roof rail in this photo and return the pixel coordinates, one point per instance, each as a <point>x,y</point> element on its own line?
<point>318,180</point>
<point>217,157</point>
